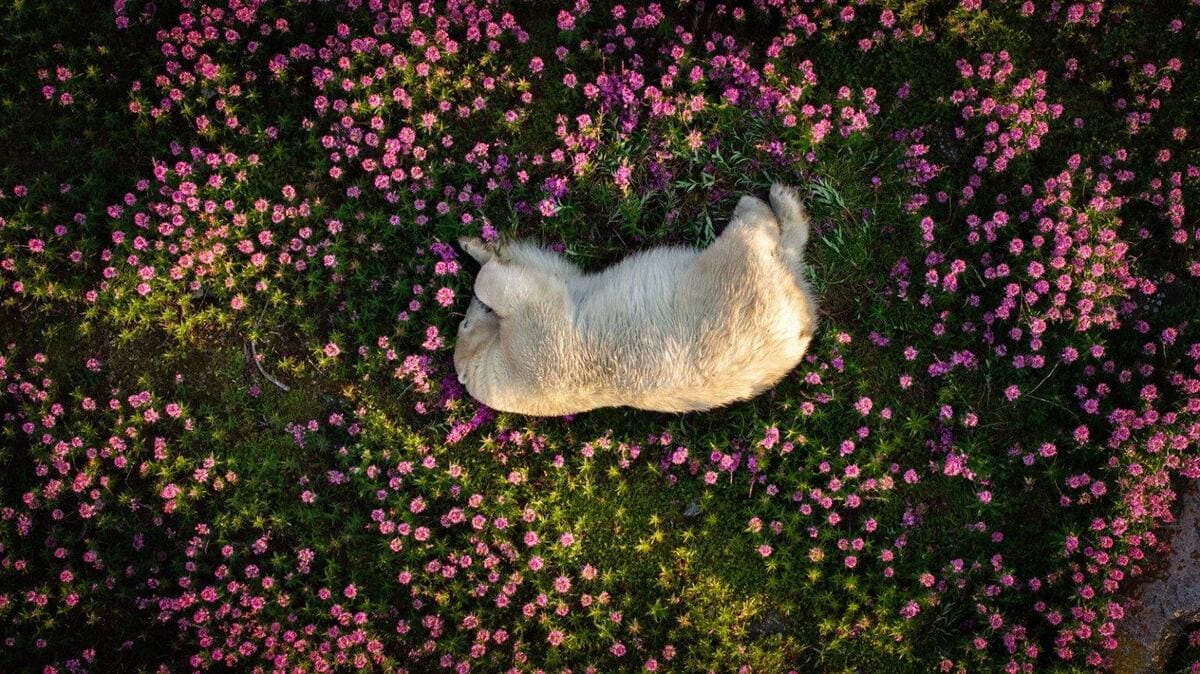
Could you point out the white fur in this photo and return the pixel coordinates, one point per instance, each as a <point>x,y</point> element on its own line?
<point>670,329</point>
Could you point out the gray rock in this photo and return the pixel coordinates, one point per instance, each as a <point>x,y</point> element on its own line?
<point>1165,603</point>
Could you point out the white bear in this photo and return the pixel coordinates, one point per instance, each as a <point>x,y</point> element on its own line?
<point>670,329</point>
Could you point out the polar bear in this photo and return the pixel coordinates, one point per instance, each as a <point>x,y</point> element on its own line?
<point>671,329</point>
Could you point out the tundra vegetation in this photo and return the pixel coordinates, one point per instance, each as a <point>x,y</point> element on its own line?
<point>233,438</point>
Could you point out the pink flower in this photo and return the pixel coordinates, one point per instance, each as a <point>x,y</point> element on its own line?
<point>332,350</point>
<point>770,438</point>
<point>863,406</point>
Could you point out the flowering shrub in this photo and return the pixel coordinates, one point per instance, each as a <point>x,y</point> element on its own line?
<point>234,439</point>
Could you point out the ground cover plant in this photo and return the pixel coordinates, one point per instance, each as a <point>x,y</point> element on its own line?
<point>231,433</point>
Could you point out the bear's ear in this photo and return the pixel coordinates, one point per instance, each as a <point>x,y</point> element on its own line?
<point>465,258</point>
